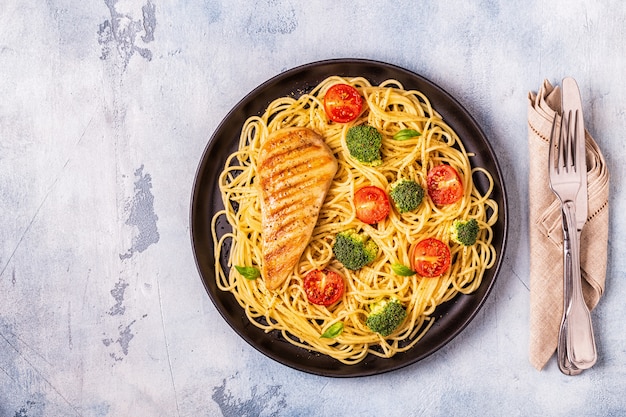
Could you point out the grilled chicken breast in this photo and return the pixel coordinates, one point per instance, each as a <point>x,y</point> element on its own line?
<point>295,170</point>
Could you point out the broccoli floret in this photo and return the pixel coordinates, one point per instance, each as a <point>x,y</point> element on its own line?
<point>464,232</point>
<point>354,250</point>
<point>385,316</point>
<point>364,144</point>
<point>406,194</point>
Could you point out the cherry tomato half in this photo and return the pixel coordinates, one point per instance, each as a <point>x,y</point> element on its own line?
<point>372,204</point>
<point>430,257</point>
<point>323,287</point>
<point>342,103</point>
<point>444,185</point>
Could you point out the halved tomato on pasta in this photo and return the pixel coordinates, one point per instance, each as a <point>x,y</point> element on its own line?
<point>444,185</point>
<point>342,103</point>
<point>323,287</point>
<point>430,257</point>
<point>371,204</point>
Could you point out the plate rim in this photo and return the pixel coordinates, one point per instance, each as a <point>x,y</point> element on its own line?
<point>266,347</point>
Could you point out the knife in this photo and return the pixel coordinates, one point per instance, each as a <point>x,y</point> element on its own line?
<point>579,339</point>
<point>572,103</point>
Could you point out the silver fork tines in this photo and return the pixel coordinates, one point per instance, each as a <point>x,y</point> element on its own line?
<point>567,152</point>
<point>576,347</point>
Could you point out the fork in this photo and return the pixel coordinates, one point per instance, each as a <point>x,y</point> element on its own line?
<point>576,347</point>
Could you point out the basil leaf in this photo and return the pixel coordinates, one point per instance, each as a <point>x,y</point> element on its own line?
<point>248,272</point>
<point>402,270</point>
<point>406,134</point>
<point>333,331</point>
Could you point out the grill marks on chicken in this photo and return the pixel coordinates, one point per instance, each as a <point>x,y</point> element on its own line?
<point>295,169</point>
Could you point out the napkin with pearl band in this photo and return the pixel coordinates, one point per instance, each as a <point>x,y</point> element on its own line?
<point>546,236</point>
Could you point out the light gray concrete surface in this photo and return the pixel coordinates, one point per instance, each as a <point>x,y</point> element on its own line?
<point>105,109</point>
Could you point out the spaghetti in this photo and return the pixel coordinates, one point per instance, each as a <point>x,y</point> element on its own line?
<point>389,108</point>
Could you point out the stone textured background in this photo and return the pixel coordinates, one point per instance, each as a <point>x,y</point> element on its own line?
<point>105,109</point>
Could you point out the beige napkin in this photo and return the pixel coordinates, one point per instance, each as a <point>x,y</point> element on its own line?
<point>546,245</point>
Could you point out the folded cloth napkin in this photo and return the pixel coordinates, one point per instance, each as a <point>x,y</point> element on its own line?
<point>546,235</point>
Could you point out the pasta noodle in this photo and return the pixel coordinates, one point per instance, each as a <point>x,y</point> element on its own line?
<point>389,108</point>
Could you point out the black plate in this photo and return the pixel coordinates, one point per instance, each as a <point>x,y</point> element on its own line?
<point>452,317</point>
